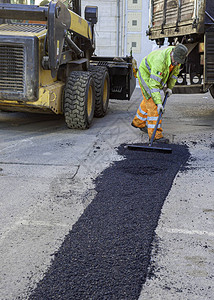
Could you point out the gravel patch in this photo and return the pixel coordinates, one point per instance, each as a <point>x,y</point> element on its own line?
<point>107,253</point>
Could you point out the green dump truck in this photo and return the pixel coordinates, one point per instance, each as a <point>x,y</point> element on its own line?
<point>190,22</point>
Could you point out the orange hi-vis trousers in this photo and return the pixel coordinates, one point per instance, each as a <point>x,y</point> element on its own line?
<point>147,115</point>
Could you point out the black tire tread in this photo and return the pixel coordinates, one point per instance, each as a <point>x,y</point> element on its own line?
<point>74,104</point>
<point>98,72</point>
<point>211,89</point>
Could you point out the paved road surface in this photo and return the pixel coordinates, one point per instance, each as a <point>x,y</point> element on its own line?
<point>47,182</point>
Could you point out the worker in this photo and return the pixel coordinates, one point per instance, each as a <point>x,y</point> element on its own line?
<point>157,71</point>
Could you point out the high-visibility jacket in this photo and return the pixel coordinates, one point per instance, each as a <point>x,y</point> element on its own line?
<point>153,73</point>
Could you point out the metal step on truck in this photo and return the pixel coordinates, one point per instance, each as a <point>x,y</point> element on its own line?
<point>190,22</point>
<point>48,65</point>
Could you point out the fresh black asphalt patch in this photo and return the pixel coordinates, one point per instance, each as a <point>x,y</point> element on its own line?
<point>107,253</point>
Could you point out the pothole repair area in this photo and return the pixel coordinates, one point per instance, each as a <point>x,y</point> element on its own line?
<point>107,253</point>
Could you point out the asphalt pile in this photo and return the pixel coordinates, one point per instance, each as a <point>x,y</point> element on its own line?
<point>107,253</point>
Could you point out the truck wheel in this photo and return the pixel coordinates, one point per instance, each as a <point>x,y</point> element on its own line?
<point>195,78</point>
<point>79,100</point>
<point>102,87</point>
<point>212,90</point>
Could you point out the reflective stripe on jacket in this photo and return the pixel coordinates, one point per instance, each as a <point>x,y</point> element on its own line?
<point>153,73</point>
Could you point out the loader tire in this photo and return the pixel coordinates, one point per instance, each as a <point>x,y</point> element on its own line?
<point>211,89</point>
<point>79,100</point>
<point>102,88</point>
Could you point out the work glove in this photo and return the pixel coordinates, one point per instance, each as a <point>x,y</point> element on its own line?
<point>160,108</point>
<point>134,67</point>
<point>169,91</point>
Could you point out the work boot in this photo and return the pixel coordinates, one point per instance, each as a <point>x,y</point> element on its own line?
<point>134,125</point>
<point>162,140</point>
<point>143,129</point>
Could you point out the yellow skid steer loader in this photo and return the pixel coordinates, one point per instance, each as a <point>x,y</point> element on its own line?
<point>47,63</point>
